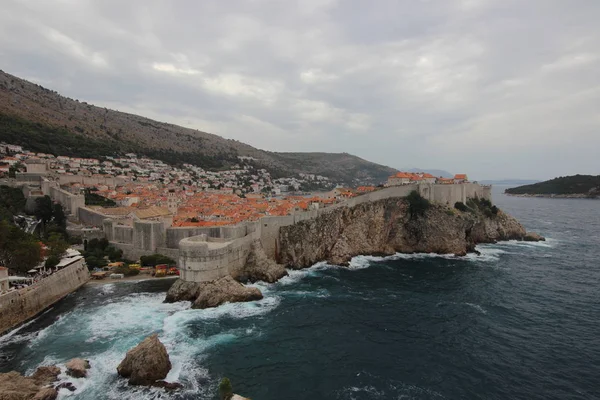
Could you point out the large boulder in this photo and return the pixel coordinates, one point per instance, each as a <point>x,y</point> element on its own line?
<point>238,397</point>
<point>224,290</point>
<point>146,363</point>
<point>259,267</point>
<point>46,375</point>
<point>14,386</point>
<point>533,237</point>
<point>77,367</point>
<point>182,290</point>
<point>48,393</point>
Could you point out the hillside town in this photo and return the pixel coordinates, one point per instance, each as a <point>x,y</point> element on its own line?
<point>134,187</point>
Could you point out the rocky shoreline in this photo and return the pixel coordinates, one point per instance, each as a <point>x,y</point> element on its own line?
<point>384,227</point>
<point>556,196</point>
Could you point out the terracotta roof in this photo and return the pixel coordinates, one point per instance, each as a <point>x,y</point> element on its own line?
<point>152,212</point>
<point>115,210</point>
<point>401,175</point>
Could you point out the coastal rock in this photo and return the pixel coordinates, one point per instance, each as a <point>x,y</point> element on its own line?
<point>146,363</point>
<point>224,290</point>
<point>385,227</point>
<point>66,385</point>
<point>46,375</point>
<point>181,290</point>
<point>499,227</point>
<point>259,267</point>
<point>213,293</point>
<point>14,386</point>
<point>533,237</point>
<point>47,393</point>
<point>238,397</point>
<point>77,367</point>
<point>168,385</point>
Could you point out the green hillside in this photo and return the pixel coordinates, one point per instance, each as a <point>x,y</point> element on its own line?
<point>588,185</point>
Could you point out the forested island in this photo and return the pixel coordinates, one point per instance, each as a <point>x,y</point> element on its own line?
<point>575,186</point>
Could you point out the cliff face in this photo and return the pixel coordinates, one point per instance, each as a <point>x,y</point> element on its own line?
<point>385,227</point>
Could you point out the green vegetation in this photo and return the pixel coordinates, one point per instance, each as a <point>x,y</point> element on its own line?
<point>225,389</point>
<point>588,185</point>
<point>460,206</point>
<point>156,259</point>
<point>417,204</point>
<point>94,199</point>
<point>19,251</point>
<point>483,205</point>
<point>44,138</point>
<point>125,270</point>
<point>98,253</point>
<point>12,202</point>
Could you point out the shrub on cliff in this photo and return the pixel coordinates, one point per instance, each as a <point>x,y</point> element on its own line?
<point>460,206</point>
<point>155,259</point>
<point>483,205</point>
<point>417,204</point>
<point>125,270</point>
<point>225,389</point>
<point>51,262</point>
<point>19,251</point>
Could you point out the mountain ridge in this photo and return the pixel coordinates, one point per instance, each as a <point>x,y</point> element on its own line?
<point>45,121</point>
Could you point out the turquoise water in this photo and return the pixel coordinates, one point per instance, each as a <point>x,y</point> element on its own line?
<point>519,321</point>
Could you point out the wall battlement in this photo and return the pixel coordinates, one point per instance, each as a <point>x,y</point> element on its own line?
<point>18,306</point>
<point>201,259</point>
<point>206,253</point>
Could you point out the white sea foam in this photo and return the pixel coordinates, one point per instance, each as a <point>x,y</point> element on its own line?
<point>472,305</point>
<point>477,307</point>
<point>13,337</point>
<point>358,392</point>
<point>107,289</point>
<point>320,293</point>
<point>549,243</point>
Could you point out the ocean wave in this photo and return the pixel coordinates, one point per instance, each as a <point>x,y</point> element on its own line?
<point>240,310</point>
<point>476,307</point>
<point>350,393</point>
<point>14,336</point>
<point>388,390</point>
<point>549,243</point>
<point>319,293</point>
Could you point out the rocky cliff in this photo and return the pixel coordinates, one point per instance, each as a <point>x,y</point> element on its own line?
<point>386,227</point>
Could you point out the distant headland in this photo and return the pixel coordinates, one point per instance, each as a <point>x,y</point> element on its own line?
<point>575,186</point>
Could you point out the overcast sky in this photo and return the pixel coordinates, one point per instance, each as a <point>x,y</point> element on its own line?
<point>494,88</point>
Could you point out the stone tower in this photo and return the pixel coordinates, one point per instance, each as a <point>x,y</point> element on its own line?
<point>172,202</point>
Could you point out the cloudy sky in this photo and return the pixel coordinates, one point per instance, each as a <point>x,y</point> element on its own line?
<point>494,88</point>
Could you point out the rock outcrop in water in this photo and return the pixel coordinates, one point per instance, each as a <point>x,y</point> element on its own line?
<point>213,293</point>
<point>259,267</point>
<point>146,363</point>
<point>77,367</point>
<point>385,227</point>
<point>14,386</point>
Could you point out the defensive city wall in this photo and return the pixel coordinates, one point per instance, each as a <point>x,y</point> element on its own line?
<point>20,305</point>
<point>207,257</point>
<point>207,253</point>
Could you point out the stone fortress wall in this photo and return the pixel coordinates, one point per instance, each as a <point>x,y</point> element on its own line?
<point>205,258</point>
<point>20,305</point>
<point>206,253</point>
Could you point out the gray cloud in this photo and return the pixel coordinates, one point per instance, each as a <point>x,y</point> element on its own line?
<point>494,88</point>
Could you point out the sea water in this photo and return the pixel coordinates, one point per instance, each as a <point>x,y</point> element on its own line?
<point>520,321</point>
